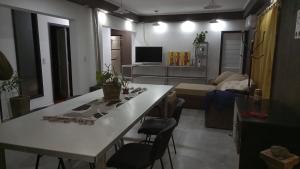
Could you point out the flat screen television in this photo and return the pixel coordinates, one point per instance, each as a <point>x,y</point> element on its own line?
<point>147,54</point>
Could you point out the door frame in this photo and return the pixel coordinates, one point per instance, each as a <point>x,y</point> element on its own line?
<point>69,58</point>
<point>244,53</point>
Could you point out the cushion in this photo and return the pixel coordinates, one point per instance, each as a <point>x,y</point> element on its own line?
<point>223,76</point>
<point>131,156</point>
<point>233,77</point>
<point>153,126</point>
<point>236,85</point>
<point>236,77</point>
<point>194,89</point>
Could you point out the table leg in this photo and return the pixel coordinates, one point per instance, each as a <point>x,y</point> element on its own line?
<point>2,159</point>
<point>100,163</point>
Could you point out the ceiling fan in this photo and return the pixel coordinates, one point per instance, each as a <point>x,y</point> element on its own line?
<point>121,9</point>
<point>212,5</point>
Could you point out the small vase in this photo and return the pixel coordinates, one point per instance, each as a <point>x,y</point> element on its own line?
<point>125,91</point>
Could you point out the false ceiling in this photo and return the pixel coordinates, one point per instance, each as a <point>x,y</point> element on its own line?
<point>171,7</point>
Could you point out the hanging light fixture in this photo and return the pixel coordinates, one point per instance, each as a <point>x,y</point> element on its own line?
<point>212,5</point>
<point>157,22</point>
<point>121,9</point>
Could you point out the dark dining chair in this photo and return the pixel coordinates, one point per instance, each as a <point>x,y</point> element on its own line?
<point>61,164</point>
<point>154,125</point>
<point>141,156</point>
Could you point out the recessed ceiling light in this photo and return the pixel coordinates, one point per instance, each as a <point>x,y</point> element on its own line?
<point>130,20</point>
<point>155,24</point>
<point>161,27</point>
<point>104,11</point>
<point>213,21</point>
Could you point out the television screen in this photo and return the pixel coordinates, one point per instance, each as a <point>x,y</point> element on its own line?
<point>148,54</point>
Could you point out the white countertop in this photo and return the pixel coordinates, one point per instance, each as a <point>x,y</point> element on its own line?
<point>73,141</point>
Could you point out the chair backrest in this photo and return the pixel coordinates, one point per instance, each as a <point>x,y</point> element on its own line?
<point>162,140</point>
<point>178,109</point>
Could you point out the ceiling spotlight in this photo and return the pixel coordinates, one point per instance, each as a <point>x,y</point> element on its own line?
<point>155,24</point>
<point>104,11</point>
<point>213,21</point>
<point>130,20</point>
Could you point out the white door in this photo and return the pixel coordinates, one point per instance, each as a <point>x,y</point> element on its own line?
<point>232,52</point>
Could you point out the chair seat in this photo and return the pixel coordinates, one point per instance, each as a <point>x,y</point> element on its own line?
<point>131,156</point>
<point>153,126</point>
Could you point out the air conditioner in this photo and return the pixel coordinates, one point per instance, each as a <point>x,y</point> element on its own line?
<point>251,22</point>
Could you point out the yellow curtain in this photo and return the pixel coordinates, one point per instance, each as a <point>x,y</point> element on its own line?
<point>264,50</point>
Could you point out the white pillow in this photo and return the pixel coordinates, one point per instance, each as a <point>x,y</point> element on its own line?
<point>237,85</point>
<point>223,76</point>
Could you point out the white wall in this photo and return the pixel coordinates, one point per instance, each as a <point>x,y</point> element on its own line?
<point>81,36</point>
<point>43,22</point>
<point>7,42</point>
<point>106,47</point>
<point>81,39</point>
<point>172,37</point>
<point>106,23</point>
<point>117,23</point>
<point>7,46</point>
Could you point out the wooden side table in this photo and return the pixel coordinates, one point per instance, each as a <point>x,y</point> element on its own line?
<point>275,163</point>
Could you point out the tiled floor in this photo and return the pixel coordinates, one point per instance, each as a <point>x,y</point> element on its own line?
<point>197,148</point>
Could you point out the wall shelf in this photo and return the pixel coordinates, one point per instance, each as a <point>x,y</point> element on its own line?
<point>170,74</point>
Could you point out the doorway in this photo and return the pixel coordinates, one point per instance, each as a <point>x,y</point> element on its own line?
<point>232,55</point>
<point>116,53</point>
<point>121,48</point>
<point>61,69</point>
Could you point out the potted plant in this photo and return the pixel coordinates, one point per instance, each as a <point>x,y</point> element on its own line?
<point>110,84</point>
<point>6,72</point>
<point>20,104</point>
<point>200,38</point>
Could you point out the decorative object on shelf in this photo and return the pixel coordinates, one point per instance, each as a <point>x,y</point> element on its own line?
<point>185,58</point>
<point>200,38</point>
<point>110,83</point>
<point>201,48</point>
<point>20,104</point>
<point>278,157</point>
<point>280,152</point>
<point>176,58</point>
<point>257,95</point>
<point>171,58</point>
<point>201,57</point>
